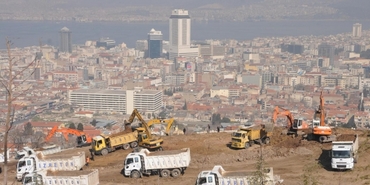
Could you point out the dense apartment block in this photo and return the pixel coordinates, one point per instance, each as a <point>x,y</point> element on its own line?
<point>118,101</point>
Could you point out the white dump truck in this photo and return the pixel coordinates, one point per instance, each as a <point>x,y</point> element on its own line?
<point>163,163</point>
<point>62,178</point>
<point>344,151</point>
<point>27,151</point>
<point>60,162</point>
<point>218,176</point>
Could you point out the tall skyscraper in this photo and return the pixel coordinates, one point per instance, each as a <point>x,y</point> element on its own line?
<point>357,30</point>
<point>155,39</point>
<point>180,29</point>
<point>65,40</point>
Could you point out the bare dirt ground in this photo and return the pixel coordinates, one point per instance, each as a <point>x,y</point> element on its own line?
<point>294,160</point>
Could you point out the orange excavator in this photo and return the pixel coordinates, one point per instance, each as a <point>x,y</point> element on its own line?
<point>82,138</point>
<point>320,131</point>
<point>295,126</point>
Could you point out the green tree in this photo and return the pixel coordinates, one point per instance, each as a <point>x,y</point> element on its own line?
<point>80,127</point>
<point>93,122</point>
<point>162,114</point>
<point>218,117</point>
<point>72,126</point>
<point>185,107</point>
<point>225,120</point>
<point>28,130</point>
<point>108,126</point>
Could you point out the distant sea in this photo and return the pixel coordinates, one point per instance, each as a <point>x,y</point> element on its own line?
<point>28,33</point>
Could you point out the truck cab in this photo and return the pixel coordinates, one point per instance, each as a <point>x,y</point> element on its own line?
<point>25,152</point>
<point>240,139</point>
<point>33,179</point>
<point>98,144</point>
<point>342,157</point>
<point>207,178</point>
<point>133,162</point>
<point>25,166</point>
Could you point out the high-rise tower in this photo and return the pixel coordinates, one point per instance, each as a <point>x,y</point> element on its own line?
<point>65,40</point>
<point>357,30</point>
<point>155,44</point>
<point>180,29</point>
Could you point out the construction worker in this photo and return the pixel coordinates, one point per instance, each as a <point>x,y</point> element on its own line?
<point>87,160</point>
<point>92,155</point>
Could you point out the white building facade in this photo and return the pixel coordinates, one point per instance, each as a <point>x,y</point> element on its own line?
<point>180,32</point>
<point>117,101</point>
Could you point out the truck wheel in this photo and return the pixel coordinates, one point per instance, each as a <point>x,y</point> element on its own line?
<point>246,145</point>
<point>126,146</point>
<point>322,139</point>
<point>104,152</point>
<point>175,172</point>
<point>309,137</point>
<point>135,174</point>
<point>267,140</point>
<point>133,144</point>
<point>165,173</point>
<point>160,149</point>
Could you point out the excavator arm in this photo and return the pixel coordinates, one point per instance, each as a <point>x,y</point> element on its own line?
<point>322,111</point>
<point>169,125</point>
<point>51,133</point>
<point>284,112</point>
<point>66,132</point>
<point>135,113</point>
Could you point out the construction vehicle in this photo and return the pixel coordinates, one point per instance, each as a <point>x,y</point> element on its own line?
<point>145,137</point>
<point>295,126</point>
<point>151,122</point>
<point>82,138</point>
<point>164,163</point>
<point>27,151</point>
<point>218,176</point>
<point>344,152</point>
<point>320,131</point>
<point>105,144</point>
<point>54,162</point>
<point>62,178</point>
<point>246,137</point>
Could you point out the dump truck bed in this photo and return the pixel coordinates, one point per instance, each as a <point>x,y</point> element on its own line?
<point>72,178</point>
<point>70,162</point>
<point>122,138</point>
<point>165,159</point>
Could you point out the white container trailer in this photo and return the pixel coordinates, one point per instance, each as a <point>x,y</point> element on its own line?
<point>163,163</point>
<point>344,151</point>
<point>62,178</point>
<point>218,176</point>
<point>63,162</point>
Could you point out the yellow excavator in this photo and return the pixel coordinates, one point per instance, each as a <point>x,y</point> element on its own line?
<point>144,135</point>
<point>151,122</point>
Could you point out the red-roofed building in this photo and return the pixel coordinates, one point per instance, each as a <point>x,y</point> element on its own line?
<point>87,114</point>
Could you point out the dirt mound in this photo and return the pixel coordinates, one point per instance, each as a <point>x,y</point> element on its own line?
<point>346,137</point>
<point>281,140</point>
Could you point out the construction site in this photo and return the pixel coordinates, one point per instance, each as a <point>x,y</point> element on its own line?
<point>298,153</point>
<point>293,159</point>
